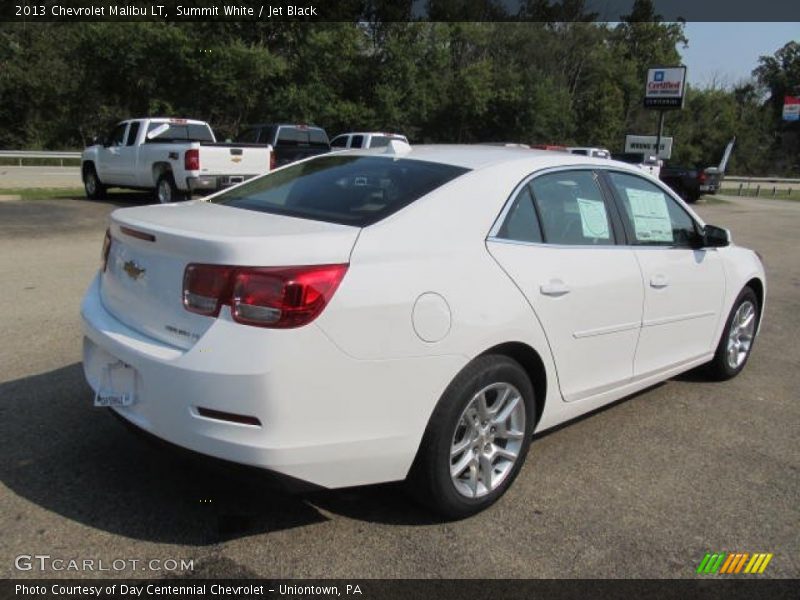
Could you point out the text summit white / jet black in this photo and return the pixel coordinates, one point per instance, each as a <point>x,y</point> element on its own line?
<point>410,313</point>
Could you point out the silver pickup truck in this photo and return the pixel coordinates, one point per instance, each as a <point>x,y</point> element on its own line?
<point>173,157</point>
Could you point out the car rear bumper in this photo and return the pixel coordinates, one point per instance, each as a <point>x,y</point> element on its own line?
<point>213,183</point>
<point>323,417</point>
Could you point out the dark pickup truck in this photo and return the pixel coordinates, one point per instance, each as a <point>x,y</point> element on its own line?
<point>290,142</point>
<point>690,183</point>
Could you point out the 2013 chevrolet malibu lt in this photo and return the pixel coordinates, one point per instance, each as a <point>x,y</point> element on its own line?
<point>410,314</point>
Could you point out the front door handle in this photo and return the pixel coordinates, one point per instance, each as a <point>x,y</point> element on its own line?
<point>659,281</point>
<point>554,287</point>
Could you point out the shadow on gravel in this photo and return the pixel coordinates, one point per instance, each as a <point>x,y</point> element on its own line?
<point>82,463</point>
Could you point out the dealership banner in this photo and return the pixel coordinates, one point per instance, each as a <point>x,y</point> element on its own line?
<point>665,87</point>
<point>601,11</point>
<point>703,586</point>
<point>791,108</point>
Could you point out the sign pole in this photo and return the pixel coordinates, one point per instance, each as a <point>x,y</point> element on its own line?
<point>660,133</point>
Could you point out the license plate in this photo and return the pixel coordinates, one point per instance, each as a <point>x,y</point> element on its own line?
<point>117,385</point>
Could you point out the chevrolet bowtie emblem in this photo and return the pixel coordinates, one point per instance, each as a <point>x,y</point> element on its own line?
<point>133,270</point>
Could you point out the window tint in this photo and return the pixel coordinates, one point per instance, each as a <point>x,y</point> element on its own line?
<point>339,142</point>
<point>133,131</point>
<point>521,222</point>
<point>580,151</point>
<point>572,209</point>
<point>317,137</point>
<point>358,141</point>
<point>117,135</point>
<point>301,136</point>
<point>652,215</point>
<point>352,190</point>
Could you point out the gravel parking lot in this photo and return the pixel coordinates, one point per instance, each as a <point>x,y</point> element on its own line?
<point>643,488</point>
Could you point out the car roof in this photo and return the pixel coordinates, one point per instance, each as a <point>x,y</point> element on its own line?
<point>302,125</point>
<point>479,156</point>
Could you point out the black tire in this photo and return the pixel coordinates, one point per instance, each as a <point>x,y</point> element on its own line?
<point>166,190</point>
<point>721,368</point>
<point>92,186</point>
<point>429,480</point>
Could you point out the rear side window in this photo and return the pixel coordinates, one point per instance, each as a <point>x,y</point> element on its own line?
<point>133,131</point>
<point>521,223</point>
<point>572,209</point>
<point>351,190</point>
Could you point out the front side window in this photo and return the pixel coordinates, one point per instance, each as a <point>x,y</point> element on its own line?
<point>358,141</point>
<point>572,209</point>
<point>652,215</point>
<point>351,190</point>
<point>117,135</point>
<point>339,142</point>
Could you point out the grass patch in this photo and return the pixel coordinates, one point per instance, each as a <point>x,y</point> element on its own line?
<point>74,194</point>
<point>40,162</point>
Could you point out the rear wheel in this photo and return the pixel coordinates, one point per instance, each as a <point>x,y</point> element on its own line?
<point>166,190</point>
<point>477,438</point>
<point>91,184</point>
<point>737,338</point>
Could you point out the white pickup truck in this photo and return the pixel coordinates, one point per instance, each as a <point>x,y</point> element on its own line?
<point>173,157</point>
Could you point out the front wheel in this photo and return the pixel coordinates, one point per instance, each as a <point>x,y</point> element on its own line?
<point>166,190</point>
<point>91,184</point>
<point>737,339</point>
<point>477,438</point>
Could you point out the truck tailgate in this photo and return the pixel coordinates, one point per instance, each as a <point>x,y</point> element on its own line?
<point>230,159</point>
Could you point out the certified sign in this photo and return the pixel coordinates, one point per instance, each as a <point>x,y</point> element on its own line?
<point>666,87</point>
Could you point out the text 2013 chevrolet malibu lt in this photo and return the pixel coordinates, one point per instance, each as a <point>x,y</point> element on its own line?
<point>413,314</point>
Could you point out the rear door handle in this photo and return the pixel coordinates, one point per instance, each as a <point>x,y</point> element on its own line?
<point>554,287</point>
<point>659,281</point>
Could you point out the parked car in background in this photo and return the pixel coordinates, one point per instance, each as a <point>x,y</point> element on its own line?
<point>413,314</point>
<point>554,147</point>
<point>350,141</point>
<point>290,141</point>
<point>593,152</point>
<point>648,163</point>
<point>688,182</point>
<point>173,157</point>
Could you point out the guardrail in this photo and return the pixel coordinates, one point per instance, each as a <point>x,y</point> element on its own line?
<point>762,186</point>
<point>21,155</point>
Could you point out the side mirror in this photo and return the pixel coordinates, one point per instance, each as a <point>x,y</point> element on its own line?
<point>716,237</point>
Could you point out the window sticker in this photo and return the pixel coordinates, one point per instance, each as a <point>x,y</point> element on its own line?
<point>650,215</point>
<point>594,219</point>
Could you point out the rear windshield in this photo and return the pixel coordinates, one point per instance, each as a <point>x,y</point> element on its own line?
<point>178,133</point>
<point>351,190</point>
<point>301,136</point>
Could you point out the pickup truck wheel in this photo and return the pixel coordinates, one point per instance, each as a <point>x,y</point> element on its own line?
<point>476,440</point>
<point>166,190</point>
<point>92,186</point>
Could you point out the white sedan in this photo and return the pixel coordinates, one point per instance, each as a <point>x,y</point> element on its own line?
<point>411,314</point>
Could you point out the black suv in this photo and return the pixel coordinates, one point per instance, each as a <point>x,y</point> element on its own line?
<point>289,141</point>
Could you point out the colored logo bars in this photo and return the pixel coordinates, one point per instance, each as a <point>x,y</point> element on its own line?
<point>731,563</point>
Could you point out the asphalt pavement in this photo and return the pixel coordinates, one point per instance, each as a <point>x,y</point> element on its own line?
<point>643,488</point>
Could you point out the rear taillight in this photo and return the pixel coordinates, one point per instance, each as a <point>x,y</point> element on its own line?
<point>272,160</point>
<point>701,177</point>
<point>191,160</point>
<point>106,250</point>
<point>205,288</point>
<point>278,297</point>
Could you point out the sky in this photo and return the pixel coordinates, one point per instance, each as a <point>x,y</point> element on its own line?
<point>728,52</point>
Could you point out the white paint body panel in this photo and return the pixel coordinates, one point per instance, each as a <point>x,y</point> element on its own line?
<point>345,400</point>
